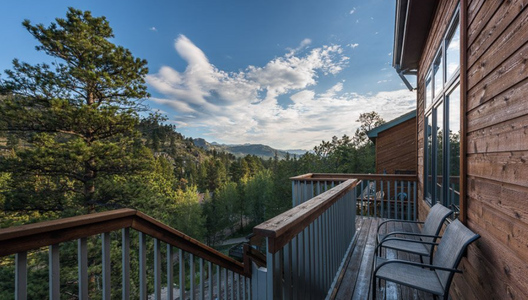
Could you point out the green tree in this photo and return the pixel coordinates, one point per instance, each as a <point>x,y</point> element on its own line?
<point>259,194</point>
<point>81,112</point>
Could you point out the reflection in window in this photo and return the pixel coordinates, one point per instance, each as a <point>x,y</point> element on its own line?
<point>438,75</point>
<point>453,52</point>
<point>454,147</point>
<point>429,158</point>
<point>428,90</point>
<point>439,152</point>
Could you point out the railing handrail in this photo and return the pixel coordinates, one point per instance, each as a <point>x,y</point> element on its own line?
<point>33,236</point>
<point>283,228</point>
<point>345,176</point>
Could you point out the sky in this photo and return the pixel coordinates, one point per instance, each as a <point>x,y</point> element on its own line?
<point>287,74</point>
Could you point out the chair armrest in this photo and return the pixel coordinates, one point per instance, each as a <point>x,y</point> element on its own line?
<point>405,240</point>
<point>395,220</point>
<point>399,261</point>
<point>411,234</point>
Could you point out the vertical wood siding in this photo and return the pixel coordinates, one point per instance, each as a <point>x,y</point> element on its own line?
<point>497,145</point>
<point>396,148</point>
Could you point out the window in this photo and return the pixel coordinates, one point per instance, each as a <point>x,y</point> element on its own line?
<point>428,90</point>
<point>442,122</point>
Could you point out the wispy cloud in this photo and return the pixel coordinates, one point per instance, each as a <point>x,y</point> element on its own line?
<point>353,10</point>
<point>354,45</point>
<point>153,28</point>
<point>241,107</point>
<point>302,45</point>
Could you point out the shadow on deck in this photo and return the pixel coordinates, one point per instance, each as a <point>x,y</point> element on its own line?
<point>355,280</point>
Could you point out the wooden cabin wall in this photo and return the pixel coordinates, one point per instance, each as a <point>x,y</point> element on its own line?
<point>396,148</point>
<point>496,266</point>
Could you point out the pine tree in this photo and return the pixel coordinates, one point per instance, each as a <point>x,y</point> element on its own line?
<point>80,113</point>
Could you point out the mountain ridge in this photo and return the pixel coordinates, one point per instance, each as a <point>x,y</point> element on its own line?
<point>241,150</point>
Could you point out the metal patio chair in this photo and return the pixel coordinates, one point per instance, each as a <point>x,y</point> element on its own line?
<point>434,278</point>
<point>405,240</point>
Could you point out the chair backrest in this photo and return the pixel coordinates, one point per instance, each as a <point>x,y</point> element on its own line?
<point>454,242</point>
<point>434,221</point>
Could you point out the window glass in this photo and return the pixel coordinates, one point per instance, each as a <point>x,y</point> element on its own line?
<point>454,148</point>
<point>453,52</point>
<point>438,75</point>
<point>439,146</point>
<point>428,90</point>
<point>429,156</point>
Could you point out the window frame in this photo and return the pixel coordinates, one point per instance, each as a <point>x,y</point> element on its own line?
<point>430,111</point>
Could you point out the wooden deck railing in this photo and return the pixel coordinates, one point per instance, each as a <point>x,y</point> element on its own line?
<point>307,244</point>
<point>381,195</point>
<point>229,276</point>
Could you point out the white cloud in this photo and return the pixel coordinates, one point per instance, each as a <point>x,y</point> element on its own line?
<point>384,81</point>
<point>153,28</point>
<point>242,107</point>
<point>304,43</point>
<point>390,53</point>
<point>353,10</point>
<point>353,45</point>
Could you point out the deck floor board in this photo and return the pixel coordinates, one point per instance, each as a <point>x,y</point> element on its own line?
<point>356,279</point>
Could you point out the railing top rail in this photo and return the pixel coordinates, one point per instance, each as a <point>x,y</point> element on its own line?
<point>345,176</point>
<point>282,228</point>
<point>15,232</point>
<point>34,236</point>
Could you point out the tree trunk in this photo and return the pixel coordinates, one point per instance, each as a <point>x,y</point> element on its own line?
<point>89,185</point>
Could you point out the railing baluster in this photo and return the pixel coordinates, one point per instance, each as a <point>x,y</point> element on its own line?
<point>287,271</point>
<point>170,272</point>
<point>295,267</point>
<point>181,255</point>
<point>125,263</point>
<point>238,285</point>
<point>202,289</point>
<point>226,286</point>
<point>54,272</point>
<point>382,199</point>
<point>218,282</point>
<point>142,266</point>
<point>368,198</point>
<point>414,201</point>
<point>402,204</point>
<point>243,287</point>
<point>192,275</point>
<point>395,199</point>
<point>408,200</point>
<point>375,199</point>
<point>232,290</point>
<point>320,274</point>
<point>300,277</point>
<point>362,196</point>
<point>388,200</point>
<point>293,193</point>
<point>21,276</point>
<point>307,262</point>
<point>82,258</point>
<point>157,270</point>
<point>106,266</point>
<point>210,279</point>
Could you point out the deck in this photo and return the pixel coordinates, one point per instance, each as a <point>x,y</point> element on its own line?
<point>356,277</point>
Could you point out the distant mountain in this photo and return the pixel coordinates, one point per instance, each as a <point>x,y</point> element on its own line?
<point>263,151</point>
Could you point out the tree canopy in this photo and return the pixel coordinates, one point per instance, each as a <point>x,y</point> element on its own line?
<point>79,114</point>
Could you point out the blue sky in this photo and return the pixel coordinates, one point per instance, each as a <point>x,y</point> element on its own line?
<point>283,73</point>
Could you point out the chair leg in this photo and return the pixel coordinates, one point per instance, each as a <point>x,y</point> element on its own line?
<point>374,288</point>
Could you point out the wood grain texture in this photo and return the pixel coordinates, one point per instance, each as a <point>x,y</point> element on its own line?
<point>496,42</point>
<point>396,148</point>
